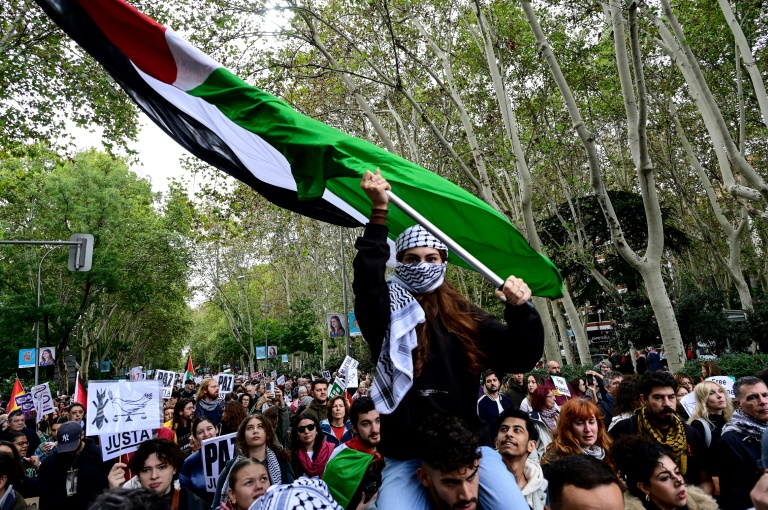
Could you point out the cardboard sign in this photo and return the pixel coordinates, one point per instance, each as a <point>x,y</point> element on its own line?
<point>113,445</point>
<point>561,385</point>
<point>725,381</point>
<point>43,401</point>
<point>226,383</point>
<point>216,451</point>
<point>122,406</point>
<point>166,378</point>
<point>689,403</point>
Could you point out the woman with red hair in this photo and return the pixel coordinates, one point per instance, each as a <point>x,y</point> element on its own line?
<point>580,431</point>
<point>545,414</point>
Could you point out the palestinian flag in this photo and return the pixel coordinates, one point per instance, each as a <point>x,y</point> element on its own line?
<point>344,471</point>
<point>190,373</point>
<point>294,161</point>
<point>81,395</point>
<point>16,391</point>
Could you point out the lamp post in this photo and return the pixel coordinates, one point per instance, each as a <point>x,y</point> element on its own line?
<point>248,306</point>
<point>37,323</point>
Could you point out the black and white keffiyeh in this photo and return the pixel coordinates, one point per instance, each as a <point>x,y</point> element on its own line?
<point>303,494</point>
<point>273,467</point>
<point>746,425</point>
<point>394,368</point>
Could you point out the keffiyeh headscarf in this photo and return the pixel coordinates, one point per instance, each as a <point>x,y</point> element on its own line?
<point>302,494</point>
<point>394,368</point>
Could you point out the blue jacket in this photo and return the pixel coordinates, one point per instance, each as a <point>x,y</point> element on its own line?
<point>192,477</point>
<point>488,410</point>
<point>325,428</point>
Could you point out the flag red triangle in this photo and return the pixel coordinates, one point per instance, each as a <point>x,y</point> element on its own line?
<point>81,396</point>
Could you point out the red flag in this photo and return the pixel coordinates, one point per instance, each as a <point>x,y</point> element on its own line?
<point>15,392</point>
<point>81,396</point>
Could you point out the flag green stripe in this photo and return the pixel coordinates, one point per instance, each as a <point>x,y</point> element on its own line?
<point>344,471</point>
<point>319,154</point>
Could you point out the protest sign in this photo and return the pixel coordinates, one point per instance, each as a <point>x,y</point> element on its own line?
<point>326,375</point>
<point>561,385</point>
<point>352,377</point>
<point>725,381</point>
<point>134,374</point>
<point>216,451</point>
<point>198,379</point>
<point>226,383</point>
<point>122,406</point>
<point>349,362</point>
<point>689,403</point>
<point>281,380</point>
<point>113,445</point>
<point>166,378</point>
<point>43,401</point>
<point>25,402</point>
<point>337,388</point>
<point>274,374</point>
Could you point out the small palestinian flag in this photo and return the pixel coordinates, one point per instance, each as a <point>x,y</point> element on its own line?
<point>344,471</point>
<point>294,161</point>
<point>190,373</point>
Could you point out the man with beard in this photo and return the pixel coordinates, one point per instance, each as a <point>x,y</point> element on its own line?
<point>353,472</point>
<point>657,420</point>
<point>516,438</point>
<point>493,402</point>
<point>450,463</point>
<point>207,402</point>
<point>72,477</point>
<point>516,389</point>
<point>320,395</point>
<point>738,450</point>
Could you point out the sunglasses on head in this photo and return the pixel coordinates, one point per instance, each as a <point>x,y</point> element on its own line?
<point>303,428</point>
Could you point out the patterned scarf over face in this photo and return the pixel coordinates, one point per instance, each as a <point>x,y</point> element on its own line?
<point>394,368</point>
<point>675,438</point>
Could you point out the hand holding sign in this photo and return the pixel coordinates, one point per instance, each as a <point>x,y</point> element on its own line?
<point>116,476</point>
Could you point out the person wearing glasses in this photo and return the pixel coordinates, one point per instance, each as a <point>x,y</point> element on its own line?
<point>309,449</point>
<point>16,423</point>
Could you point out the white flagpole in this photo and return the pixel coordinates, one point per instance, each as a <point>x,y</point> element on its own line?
<point>452,245</point>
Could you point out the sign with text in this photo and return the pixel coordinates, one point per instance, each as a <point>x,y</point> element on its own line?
<point>26,403</point>
<point>349,362</point>
<point>226,383</point>
<point>281,380</point>
<point>561,385</point>
<point>352,378</point>
<point>274,374</point>
<point>41,396</point>
<point>166,378</point>
<point>216,451</point>
<point>725,381</point>
<point>689,403</point>
<point>113,445</point>
<point>122,406</point>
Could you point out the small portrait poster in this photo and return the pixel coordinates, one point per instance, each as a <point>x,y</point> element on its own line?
<point>26,358</point>
<point>337,326</point>
<point>272,352</point>
<point>285,358</point>
<point>354,328</point>
<point>47,356</point>
<point>261,352</point>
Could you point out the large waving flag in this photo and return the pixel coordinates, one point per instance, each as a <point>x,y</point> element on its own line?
<point>294,161</point>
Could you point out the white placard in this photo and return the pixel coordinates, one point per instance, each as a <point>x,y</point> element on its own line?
<point>281,380</point>
<point>115,445</point>
<point>216,451</point>
<point>41,397</point>
<point>122,406</point>
<point>198,379</point>
<point>689,403</point>
<point>226,383</point>
<point>352,377</point>
<point>561,385</point>
<point>725,381</point>
<point>166,378</point>
<point>274,374</point>
<point>134,374</point>
<point>349,362</point>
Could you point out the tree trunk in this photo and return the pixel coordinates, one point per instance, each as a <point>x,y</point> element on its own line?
<point>665,318</point>
<point>582,339</point>
<point>551,348</point>
<point>563,328</point>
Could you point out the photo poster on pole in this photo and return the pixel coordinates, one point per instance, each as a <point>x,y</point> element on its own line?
<point>284,358</point>
<point>122,406</point>
<point>216,451</point>
<point>226,383</point>
<point>134,374</point>
<point>726,381</point>
<point>41,396</point>
<point>261,352</point>
<point>354,327</point>
<point>166,378</point>
<point>337,326</point>
<point>113,445</point>
<point>105,366</point>
<point>47,356</point>
<point>561,385</point>
<point>272,352</point>
<point>27,358</point>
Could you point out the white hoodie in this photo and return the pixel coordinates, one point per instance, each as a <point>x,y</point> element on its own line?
<point>535,491</point>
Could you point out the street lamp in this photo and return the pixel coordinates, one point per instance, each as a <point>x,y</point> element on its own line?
<point>248,306</point>
<point>37,323</point>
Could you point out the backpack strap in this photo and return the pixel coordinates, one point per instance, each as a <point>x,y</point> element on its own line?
<point>707,430</point>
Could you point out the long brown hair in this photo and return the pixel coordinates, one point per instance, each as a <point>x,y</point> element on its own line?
<point>459,317</point>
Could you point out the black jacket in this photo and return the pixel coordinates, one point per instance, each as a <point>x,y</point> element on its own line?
<point>445,386</point>
<point>737,456</point>
<point>91,478</point>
